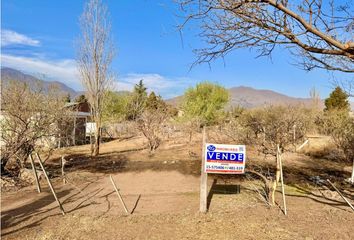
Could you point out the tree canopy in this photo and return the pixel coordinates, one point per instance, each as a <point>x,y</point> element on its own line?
<point>137,101</point>
<point>337,100</point>
<point>205,101</point>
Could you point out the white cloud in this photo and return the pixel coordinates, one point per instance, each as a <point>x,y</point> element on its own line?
<point>165,86</point>
<point>65,71</point>
<point>62,70</point>
<point>9,37</point>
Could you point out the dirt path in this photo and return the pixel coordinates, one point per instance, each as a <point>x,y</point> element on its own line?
<point>167,209</point>
<point>163,193</point>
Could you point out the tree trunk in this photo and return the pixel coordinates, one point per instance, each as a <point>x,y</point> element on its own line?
<point>96,149</point>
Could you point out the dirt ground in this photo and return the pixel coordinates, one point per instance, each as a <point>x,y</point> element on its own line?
<point>162,192</point>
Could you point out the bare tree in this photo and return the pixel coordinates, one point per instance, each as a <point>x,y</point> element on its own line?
<point>152,120</point>
<point>95,54</point>
<point>340,126</point>
<point>30,119</point>
<point>150,124</point>
<point>320,33</point>
<point>274,126</point>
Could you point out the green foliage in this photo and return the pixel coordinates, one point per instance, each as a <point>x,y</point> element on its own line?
<point>337,100</point>
<point>137,101</point>
<point>154,102</point>
<point>81,99</point>
<point>205,102</point>
<point>67,98</point>
<point>115,106</point>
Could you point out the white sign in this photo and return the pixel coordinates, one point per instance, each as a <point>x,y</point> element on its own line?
<point>90,128</point>
<point>223,158</point>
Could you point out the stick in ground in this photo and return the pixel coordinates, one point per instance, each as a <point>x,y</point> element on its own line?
<point>50,185</point>
<point>35,174</point>
<point>119,196</point>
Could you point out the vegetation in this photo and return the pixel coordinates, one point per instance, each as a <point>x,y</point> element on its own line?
<point>67,98</point>
<point>81,98</point>
<point>137,102</point>
<point>337,100</point>
<point>30,119</point>
<point>315,31</point>
<point>151,121</point>
<point>273,127</point>
<point>205,103</point>
<point>115,106</point>
<point>95,54</point>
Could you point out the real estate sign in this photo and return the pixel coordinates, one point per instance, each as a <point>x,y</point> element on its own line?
<point>223,158</point>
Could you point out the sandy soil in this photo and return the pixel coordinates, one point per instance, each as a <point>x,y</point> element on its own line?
<point>162,191</point>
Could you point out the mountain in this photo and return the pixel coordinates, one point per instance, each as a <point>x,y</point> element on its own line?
<point>244,96</point>
<point>9,74</point>
<point>249,98</point>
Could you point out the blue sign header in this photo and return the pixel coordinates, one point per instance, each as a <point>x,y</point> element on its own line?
<point>225,156</point>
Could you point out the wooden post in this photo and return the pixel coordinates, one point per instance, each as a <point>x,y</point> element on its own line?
<point>344,198</point>
<point>50,185</point>
<point>203,180</point>
<point>74,131</point>
<point>119,196</point>
<point>63,161</point>
<point>282,180</point>
<point>35,174</point>
<point>294,137</point>
<point>302,145</point>
<point>352,178</point>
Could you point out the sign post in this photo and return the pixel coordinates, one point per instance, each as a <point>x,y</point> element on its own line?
<point>203,180</point>
<point>220,159</point>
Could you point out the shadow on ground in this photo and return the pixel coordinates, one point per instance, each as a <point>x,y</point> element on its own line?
<point>20,215</point>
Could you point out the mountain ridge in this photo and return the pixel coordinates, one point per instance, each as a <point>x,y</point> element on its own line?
<point>244,96</point>
<point>10,74</point>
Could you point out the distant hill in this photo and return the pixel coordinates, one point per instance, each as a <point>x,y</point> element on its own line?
<point>248,97</point>
<point>244,96</point>
<point>9,74</point>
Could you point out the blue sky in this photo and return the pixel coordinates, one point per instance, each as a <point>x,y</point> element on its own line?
<point>38,37</point>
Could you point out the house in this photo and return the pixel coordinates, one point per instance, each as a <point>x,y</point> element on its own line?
<point>74,132</point>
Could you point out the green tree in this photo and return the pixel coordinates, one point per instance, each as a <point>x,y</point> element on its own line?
<point>137,101</point>
<point>205,102</point>
<point>115,105</point>
<point>337,100</point>
<point>154,102</point>
<point>81,99</point>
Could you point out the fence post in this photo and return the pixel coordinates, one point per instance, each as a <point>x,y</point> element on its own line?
<point>282,180</point>
<point>35,174</point>
<point>50,185</point>
<point>203,179</point>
